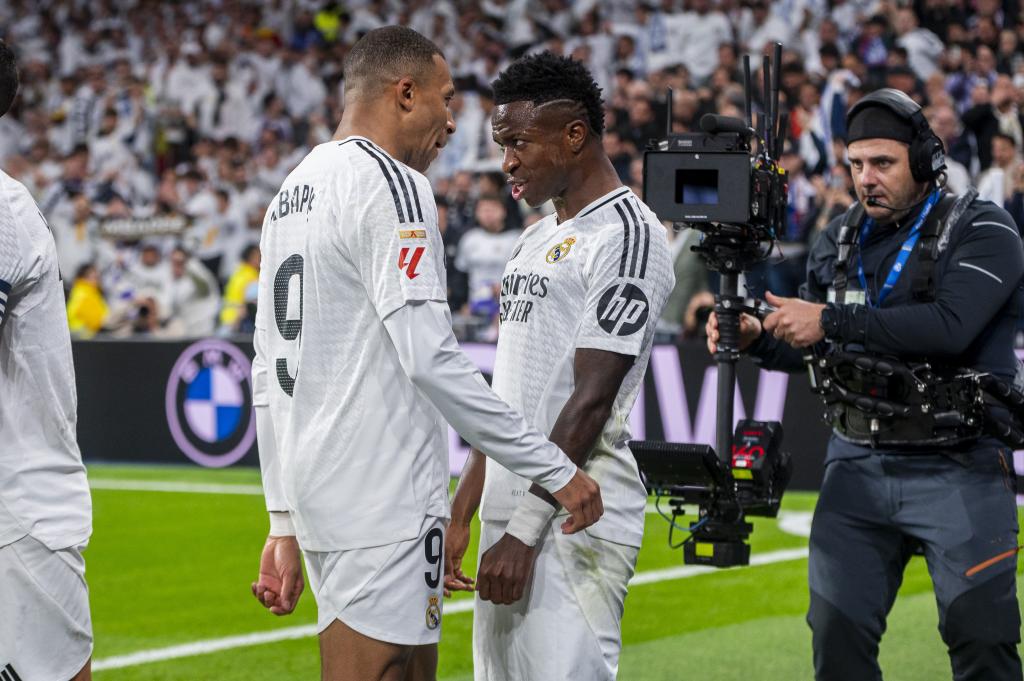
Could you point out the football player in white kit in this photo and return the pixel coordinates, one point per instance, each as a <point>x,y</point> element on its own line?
<point>45,507</point>
<point>357,371</point>
<point>579,301</point>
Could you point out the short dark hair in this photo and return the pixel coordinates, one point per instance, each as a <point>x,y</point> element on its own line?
<point>1004,136</point>
<point>546,77</point>
<point>249,250</point>
<point>8,77</point>
<point>386,54</point>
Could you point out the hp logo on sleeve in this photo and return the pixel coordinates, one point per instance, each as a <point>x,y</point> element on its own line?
<point>622,310</point>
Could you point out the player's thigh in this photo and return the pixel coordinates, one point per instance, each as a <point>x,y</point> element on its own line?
<point>422,664</point>
<point>347,655</point>
<point>384,600</point>
<point>45,625</point>
<point>85,674</point>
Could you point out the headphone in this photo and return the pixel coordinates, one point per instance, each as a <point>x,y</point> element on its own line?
<point>927,153</point>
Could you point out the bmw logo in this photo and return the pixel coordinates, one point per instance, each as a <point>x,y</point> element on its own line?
<point>209,403</point>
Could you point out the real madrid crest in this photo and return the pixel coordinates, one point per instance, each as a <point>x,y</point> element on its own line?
<point>433,612</point>
<point>559,251</point>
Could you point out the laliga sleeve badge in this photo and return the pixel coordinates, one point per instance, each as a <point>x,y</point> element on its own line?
<point>560,251</point>
<point>433,613</point>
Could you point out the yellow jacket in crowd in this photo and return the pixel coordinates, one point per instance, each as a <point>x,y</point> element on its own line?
<point>87,310</point>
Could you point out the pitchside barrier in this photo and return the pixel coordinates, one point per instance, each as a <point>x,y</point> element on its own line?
<point>191,402</point>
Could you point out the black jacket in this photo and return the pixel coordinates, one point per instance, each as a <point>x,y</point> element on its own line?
<point>972,321</point>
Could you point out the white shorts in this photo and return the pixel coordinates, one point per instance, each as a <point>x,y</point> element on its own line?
<point>391,593</point>
<point>45,627</point>
<point>567,626</point>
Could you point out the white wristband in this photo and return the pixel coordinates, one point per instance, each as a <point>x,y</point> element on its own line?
<point>281,524</point>
<point>531,519</point>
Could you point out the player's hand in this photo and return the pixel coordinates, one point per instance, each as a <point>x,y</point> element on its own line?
<point>505,570</point>
<point>582,499</point>
<point>795,321</point>
<point>280,580</point>
<point>456,539</point>
<point>750,330</point>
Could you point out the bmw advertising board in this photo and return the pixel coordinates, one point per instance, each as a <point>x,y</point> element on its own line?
<point>209,403</point>
<point>190,402</point>
<point>186,402</point>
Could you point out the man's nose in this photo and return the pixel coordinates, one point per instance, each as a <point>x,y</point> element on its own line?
<point>509,162</point>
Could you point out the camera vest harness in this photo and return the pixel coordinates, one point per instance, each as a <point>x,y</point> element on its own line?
<point>889,402</point>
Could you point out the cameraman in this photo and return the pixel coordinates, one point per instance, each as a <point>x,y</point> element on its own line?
<point>878,503</point>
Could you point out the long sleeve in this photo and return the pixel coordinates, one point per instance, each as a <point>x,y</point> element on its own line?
<point>266,436</point>
<point>431,357</point>
<point>984,269</point>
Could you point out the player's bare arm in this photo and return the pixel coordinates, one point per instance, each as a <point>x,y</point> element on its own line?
<point>430,356</point>
<point>506,567</point>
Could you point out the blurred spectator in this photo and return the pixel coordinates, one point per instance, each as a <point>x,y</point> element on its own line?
<point>945,125</point>
<point>787,272</point>
<point>696,35</point>
<point>997,183</point>
<point>136,110</point>
<point>992,114</point>
<point>87,309</point>
<point>680,314</point>
<point>74,233</point>
<point>143,292</point>
<point>194,296</point>
<point>482,255</point>
<point>923,47</point>
<point>235,314</point>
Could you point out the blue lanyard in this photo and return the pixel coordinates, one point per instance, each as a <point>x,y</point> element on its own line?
<point>901,259</point>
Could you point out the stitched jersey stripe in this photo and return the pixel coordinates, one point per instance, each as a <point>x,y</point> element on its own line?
<point>647,239</point>
<point>625,240</point>
<point>401,182</point>
<point>635,249</point>
<point>416,196</point>
<point>387,175</point>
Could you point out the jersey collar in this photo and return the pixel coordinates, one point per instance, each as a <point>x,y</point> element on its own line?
<point>594,205</point>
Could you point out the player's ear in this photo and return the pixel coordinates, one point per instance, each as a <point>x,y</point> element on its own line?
<point>576,133</point>
<point>405,92</point>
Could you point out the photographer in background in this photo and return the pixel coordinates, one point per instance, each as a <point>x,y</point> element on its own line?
<point>893,484</point>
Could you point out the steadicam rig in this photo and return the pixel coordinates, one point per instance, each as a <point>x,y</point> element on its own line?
<point>717,182</point>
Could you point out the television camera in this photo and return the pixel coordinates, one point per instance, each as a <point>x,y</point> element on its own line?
<point>725,182</point>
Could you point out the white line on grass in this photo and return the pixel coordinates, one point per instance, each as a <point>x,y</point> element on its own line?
<point>229,642</point>
<point>167,486</point>
<point>304,631</point>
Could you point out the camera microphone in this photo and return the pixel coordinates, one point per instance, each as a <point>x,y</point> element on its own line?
<point>872,201</point>
<point>714,124</point>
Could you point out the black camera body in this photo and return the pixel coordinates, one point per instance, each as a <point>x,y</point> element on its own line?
<point>703,179</point>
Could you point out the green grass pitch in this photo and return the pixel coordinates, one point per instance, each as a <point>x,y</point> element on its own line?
<point>174,568</point>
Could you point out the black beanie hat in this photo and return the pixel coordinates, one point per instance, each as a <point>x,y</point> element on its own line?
<point>876,121</point>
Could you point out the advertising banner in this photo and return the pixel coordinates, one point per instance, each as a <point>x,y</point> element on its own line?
<point>191,402</point>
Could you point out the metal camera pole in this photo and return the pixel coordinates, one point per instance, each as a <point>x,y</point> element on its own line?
<point>728,313</point>
<point>729,305</point>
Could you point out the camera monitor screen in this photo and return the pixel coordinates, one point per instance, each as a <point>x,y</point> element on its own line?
<point>697,185</point>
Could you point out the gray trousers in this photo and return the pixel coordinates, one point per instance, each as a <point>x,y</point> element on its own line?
<point>872,512</point>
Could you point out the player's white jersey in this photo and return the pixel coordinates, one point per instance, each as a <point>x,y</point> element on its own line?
<point>43,489</point>
<point>351,237</point>
<point>598,280</point>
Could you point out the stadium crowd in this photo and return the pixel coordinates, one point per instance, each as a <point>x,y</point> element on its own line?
<point>153,135</point>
